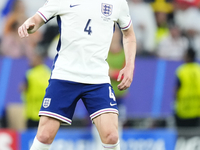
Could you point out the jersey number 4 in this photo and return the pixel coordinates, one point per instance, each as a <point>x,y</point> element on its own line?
<point>88,28</point>
<point>111,94</point>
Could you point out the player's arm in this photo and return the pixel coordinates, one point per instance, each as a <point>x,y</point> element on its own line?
<point>129,44</point>
<point>30,26</point>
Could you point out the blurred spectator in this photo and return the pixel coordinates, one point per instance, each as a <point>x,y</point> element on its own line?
<point>162,26</point>
<point>34,86</point>
<point>17,15</point>
<point>186,16</point>
<point>162,6</point>
<point>187,108</point>
<point>162,11</point>
<point>165,6</point>
<point>11,45</point>
<point>12,12</point>
<point>190,3</point>
<point>173,46</point>
<point>143,20</point>
<point>5,8</point>
<point>14,47</point>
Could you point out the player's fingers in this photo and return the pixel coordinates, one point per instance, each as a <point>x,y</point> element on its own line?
<point>121,86</point>
<point>126,82</point>
<point>124,87</point>
<point>23,31</point>
<point>20,32</point>
<point>31,26</point>
<point>120,76</point>
<point>25,27</point>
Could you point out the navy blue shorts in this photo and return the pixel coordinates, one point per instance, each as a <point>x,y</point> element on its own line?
<point>62,96</point>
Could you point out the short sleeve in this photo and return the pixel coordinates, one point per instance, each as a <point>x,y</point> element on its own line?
<point>124,19</point>
<point>49,10</point>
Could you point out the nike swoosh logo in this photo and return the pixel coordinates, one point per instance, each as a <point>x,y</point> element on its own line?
<point>74,5</point>
<point>113,104</point>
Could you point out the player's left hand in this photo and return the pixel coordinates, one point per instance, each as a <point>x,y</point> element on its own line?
<point>126,77</point>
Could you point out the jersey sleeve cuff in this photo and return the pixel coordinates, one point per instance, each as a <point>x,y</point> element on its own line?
<point>42,16</point>
<point>124,28</point>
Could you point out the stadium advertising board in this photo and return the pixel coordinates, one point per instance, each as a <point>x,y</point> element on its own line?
<point>78,139</point>
<point>9,140</point>
<point>188,139</point>
<point>149,139</point>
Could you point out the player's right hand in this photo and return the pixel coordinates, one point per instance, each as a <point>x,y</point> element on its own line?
<point>24,28</point>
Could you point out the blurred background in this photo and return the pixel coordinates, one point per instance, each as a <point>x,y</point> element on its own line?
<point>161,109</point>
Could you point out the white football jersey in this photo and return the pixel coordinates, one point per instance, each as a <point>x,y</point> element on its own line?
<point>86,30</point>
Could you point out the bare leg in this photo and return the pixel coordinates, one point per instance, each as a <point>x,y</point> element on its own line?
<point>107,126</point>
<point>47,129</point>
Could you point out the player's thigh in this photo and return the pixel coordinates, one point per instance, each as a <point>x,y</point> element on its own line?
<point>47,129</point>
<point>106,124</point>
<point>60,100</point>
<point>99,99</point>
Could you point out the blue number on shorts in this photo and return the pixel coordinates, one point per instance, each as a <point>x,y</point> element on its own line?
<point>88,28</point>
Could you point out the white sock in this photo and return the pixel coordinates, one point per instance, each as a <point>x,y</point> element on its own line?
<point>37,145</point>
<point>111,146</point>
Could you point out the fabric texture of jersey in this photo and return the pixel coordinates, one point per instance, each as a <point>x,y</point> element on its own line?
<point>86,30</point>
<point>62,96</point>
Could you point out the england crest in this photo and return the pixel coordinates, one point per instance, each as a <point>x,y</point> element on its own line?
<point>106,9</point>
<point>46,102</point>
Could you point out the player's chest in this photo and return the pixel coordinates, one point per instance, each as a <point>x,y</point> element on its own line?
<point>98,10</point>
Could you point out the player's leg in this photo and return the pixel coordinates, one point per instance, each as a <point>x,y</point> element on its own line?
<point>46,133</point>
<point>101,104</point>
<point>53,111</point>
<point>107,126</point>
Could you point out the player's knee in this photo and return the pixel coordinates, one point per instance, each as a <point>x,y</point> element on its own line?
<point>45,138</point>
<point>112,138</point>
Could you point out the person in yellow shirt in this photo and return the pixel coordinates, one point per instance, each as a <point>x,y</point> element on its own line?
<point>33,88</point>
<point>187,104</point>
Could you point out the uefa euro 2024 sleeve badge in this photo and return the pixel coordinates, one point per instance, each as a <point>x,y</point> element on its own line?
<point>46,102</point>
<point>106,9</point>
